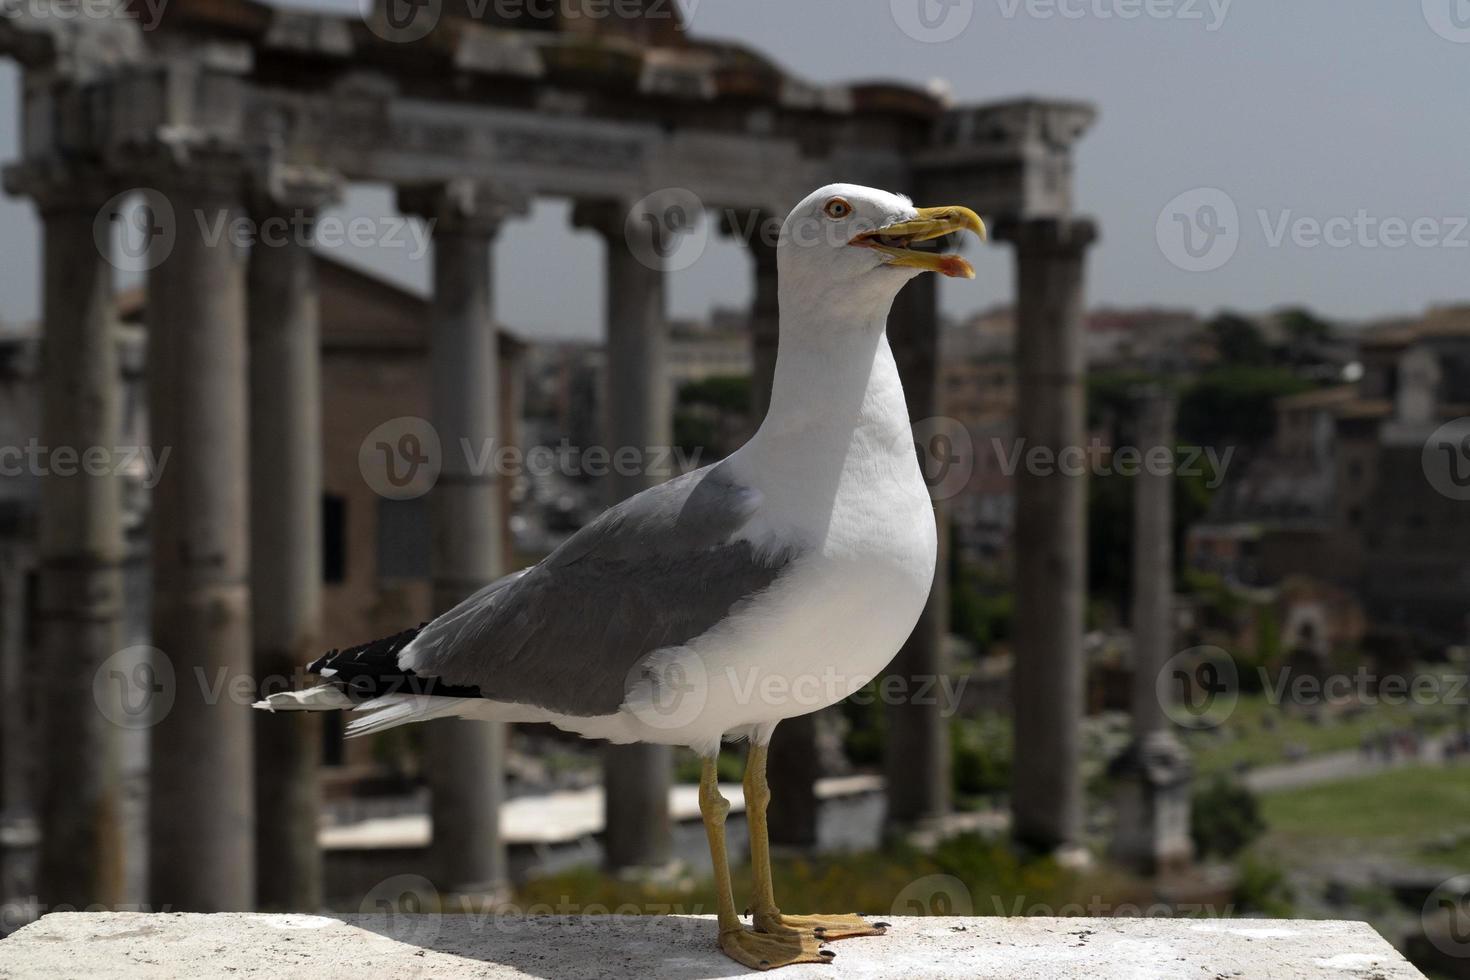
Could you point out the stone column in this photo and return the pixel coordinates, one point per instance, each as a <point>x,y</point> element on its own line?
<point>286,540</point>
<point>1153,774</point>
<point>639,413</point>
<point>202,794</point>
<point>917,760</point>
<point>1051,529</point>
<point>80,549</point>
<point>465,759</point>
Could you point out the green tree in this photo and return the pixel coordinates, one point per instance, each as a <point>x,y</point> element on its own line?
<point>1239,340</point>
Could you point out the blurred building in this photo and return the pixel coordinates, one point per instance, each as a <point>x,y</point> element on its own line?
<point>978,390</point>
<point>1342,494</point>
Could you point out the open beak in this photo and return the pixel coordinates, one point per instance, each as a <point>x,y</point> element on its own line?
<point>894,240</point>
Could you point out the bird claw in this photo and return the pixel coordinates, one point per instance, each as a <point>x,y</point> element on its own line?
<point>822,927</point>
<point>767,951</point>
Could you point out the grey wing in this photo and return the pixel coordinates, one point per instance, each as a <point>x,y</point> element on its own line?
<point>567,635</point>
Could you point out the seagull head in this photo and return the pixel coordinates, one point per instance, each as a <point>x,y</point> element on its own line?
<point>863,239</point>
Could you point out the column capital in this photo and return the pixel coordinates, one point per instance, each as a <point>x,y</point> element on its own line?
<point>607,217</point>
<point>58,186</point>
<point>463,206</point>
<point>212,172</point>
<point>286,188</point>
<point>648,222</point>
<point>1051,235</point>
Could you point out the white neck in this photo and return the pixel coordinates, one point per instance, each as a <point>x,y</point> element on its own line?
<point>836,389</point>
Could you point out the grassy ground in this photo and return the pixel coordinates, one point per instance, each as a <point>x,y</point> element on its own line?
<point>1259,732</point>
<point>1403,813</point>
<point>965,875</point>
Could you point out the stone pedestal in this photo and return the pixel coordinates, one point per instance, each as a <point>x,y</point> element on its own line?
<point>1153,803</point>
<point>131,946</point>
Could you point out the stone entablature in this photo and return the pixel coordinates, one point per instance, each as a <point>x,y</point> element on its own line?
<point>566,113</point>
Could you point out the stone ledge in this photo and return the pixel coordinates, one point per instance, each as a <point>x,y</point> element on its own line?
<point>139,945</point>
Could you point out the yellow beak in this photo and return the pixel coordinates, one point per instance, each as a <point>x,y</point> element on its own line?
<point>930,223</point>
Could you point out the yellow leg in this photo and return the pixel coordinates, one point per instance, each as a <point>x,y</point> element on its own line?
<point>752,949</point>
<point>768,917</point>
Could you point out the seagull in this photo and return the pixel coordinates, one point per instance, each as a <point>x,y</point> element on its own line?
<point>768,585</point>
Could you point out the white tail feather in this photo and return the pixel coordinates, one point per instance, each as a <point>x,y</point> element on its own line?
<point>403,709</point>
<point>323,697</point>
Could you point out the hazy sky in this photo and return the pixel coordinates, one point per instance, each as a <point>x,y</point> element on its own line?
<point>1337,130</point>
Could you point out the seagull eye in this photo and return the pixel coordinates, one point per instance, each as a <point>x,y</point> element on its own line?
<point>837,208</point>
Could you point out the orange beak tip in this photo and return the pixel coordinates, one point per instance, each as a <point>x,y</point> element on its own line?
<point>956,267</point>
